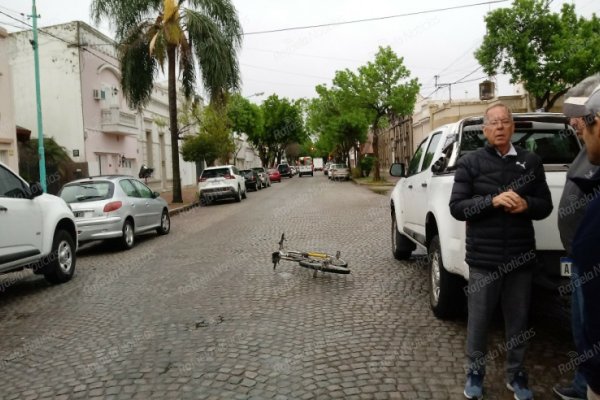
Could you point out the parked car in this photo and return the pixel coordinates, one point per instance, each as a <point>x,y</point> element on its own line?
<point>221,182</point>
<point>116,207</point>
<point>285,170</point>
<point>264,176</point>
<point>274,175</point>
<point>252,179</point>
<point>37,230</point>
<point>339,172</point>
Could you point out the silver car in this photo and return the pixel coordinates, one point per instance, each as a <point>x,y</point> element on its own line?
<point>115,207</point>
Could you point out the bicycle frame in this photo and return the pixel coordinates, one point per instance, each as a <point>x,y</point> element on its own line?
<point>317,261</point>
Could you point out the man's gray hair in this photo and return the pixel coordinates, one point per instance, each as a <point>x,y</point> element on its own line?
<point>486,119</point>
<point>585,87</point>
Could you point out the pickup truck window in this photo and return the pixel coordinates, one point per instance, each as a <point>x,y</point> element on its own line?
<point>433,144</point>
<point>555,143</point>
<point>413,166</point>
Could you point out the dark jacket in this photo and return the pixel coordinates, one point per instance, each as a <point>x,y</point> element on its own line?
<point>586,253</point>
<point>573,201</point>
<point>494,236</point>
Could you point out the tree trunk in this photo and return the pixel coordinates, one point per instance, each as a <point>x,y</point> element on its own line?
<point>177,198</point>
<point>376,176</point>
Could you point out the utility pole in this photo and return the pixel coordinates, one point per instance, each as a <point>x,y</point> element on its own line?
<point>438,85</point>
<point>36,62</point>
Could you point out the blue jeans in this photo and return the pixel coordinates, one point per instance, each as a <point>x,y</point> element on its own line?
<point>579,382</point>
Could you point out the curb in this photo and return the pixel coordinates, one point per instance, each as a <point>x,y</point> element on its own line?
<point>178,210</point>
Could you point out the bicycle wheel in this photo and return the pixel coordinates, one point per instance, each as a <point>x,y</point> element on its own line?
<point>335,265</point>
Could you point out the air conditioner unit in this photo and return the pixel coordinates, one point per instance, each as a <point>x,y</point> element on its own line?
<point>99,94</point>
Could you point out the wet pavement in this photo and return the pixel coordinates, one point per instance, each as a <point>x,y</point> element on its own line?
<point>201,314</point>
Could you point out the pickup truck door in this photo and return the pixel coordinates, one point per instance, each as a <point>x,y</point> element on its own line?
<point>20,221</point>
<point>416,190</point>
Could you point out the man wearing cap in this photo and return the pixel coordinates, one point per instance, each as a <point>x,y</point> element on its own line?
<point>586,250</point>
<point>573,200</point>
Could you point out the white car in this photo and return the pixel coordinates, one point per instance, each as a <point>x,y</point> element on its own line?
<point>221,182</point>
<point>339,172</point>
<point>37,230</point>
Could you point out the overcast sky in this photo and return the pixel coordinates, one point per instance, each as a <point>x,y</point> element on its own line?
<point>292,63</point>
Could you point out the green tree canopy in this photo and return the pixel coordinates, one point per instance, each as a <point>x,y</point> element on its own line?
<point>341,124</point>
<point>213,141</point>
<point>151,32</point>
<point>382,89</point>
<point>548,52</point>
<point>283,125</point>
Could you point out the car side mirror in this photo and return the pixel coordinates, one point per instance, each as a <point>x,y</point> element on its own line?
<point>439,165</point>
<point>397,169</point>
<point>35,190</point>
<point>155,195</point>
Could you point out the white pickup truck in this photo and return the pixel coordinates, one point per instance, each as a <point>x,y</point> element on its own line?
<point>420,202</point>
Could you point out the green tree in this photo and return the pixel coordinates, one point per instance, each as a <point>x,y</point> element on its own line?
<point>151,32</point>
<point>341,124</point>
<point>283,125</point>
<point>214,140</point>
<point>382,89</point>
<point>548,52</point>
<point>247,117</point>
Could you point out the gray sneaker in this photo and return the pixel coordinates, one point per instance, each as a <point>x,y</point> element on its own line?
<point>474,385</point>
<point>518,385</point>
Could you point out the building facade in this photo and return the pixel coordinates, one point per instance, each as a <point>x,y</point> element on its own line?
<point>8,135</point>
<point>83,106</point>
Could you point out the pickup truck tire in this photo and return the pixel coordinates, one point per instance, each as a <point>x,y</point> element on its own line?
<point>446,294</point>
<point>63,259</point>
<point>402,247</point>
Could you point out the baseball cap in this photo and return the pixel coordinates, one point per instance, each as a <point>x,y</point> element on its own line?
<point>575,107</point>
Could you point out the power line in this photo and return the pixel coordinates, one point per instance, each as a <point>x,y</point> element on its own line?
<point>296,28</point>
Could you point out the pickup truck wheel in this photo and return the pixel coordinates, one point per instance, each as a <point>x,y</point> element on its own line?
<point>445,289</point>
<point>402,247</point>
<point>62,258</point>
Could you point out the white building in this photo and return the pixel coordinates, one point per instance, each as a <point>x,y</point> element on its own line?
<point>8,136</point>
<point>83,107</point>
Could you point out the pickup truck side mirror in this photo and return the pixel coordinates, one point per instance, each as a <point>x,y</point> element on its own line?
<point>439,165</point>
<point>397,169</point>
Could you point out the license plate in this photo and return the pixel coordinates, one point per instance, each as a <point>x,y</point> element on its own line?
<point>83,214</point>
<point>566,264</point>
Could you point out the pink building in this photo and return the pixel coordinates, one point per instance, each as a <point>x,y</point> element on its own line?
<point>83,107</point>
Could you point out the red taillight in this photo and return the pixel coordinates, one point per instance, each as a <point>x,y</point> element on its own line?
<point>112,206</point>
<point>229,176</point>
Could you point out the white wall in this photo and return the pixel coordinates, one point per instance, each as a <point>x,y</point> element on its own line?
<point>8,130</point>
<point>59,84</point>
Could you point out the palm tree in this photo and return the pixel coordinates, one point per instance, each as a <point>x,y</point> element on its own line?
<point>151,31</point>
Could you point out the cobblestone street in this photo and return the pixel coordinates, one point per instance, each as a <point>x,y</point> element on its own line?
<point>201,314</point>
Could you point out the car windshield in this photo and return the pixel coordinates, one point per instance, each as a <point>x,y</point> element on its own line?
<point>555,143</point>
<point>87,191</point>
<point>215,173</point>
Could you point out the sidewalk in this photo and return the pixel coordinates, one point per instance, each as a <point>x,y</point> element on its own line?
<point>189,195</point>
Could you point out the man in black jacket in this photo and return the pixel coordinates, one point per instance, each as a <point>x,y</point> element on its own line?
<point>499,190</point>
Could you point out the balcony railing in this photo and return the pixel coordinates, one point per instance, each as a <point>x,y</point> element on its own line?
<point>119,122</point>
